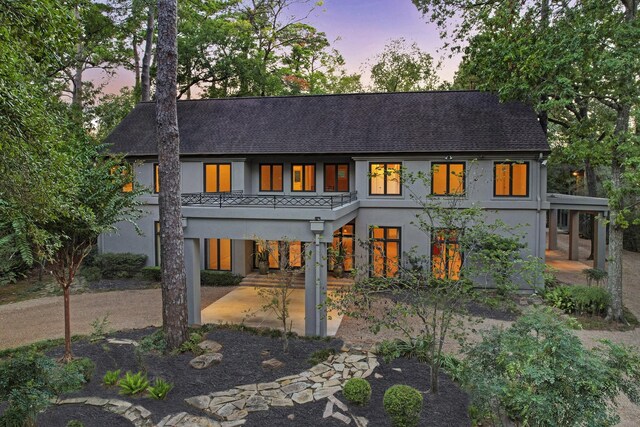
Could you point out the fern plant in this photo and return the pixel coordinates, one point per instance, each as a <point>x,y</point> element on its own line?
<point>133,384</point>
<point>160,389</point>
<point>111,377</point>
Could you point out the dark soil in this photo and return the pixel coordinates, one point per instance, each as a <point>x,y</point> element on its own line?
<point>486,311</point>
<point>121,285</point>
<point>242,365</point>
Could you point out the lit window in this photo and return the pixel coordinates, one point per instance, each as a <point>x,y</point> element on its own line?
<point>511,179</point>
<point>295,249</point>
<point>447,178</point>
<point>156,178</point>
<point>336,177</point>
<point>303,178</point>
<point>271,177</point>
<point>127,172</point>
<point>344,238</point>
<point>384,178</point>
<point>446,259</point>
<point>385,251</point>
<point>218,254</point>
<point>217,178</point>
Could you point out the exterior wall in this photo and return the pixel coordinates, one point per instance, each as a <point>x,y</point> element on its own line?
<point>243,224</point>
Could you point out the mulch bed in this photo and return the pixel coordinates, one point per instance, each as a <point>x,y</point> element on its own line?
<point>242,365</point>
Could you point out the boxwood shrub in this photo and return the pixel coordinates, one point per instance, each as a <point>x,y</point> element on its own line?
<point>153,274</point>
<point>219,278</point>
<point>403,404</point>
<point>357,390</point>
<point>119,265</point>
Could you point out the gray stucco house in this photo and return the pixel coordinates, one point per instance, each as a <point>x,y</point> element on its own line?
<point>301,167</point>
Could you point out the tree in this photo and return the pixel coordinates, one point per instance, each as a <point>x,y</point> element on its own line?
<point>402,68</point>
<point>174,281</point>
<point>580,57</point>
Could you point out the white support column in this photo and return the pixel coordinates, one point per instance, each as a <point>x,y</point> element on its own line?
<point>574,235</point>
<point>599,241</point>
<point>553,229</point>
<point>315,285</point>
<point>192,266</point>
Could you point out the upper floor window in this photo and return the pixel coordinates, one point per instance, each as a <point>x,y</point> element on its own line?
<point>217,178</point>
<point>336,177</point>
<point>446,258</point>
<point>271,177</point>
<point>511,179</point>
<point>303,177</point>
<point>385,251</point>
<point>384,178</point>
<point>127,172</point>
<point>156,178</point>
<point>447,179</point>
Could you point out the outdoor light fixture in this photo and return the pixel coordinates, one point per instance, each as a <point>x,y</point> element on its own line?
<point>448,157</point>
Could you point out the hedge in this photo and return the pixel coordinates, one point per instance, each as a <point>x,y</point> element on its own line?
<point>119,265</point>
<point>219,278</point>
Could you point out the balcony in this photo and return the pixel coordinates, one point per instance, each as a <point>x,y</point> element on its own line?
<point>237,199</point>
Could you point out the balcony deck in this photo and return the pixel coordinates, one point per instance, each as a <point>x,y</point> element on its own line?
<point>239,199</point>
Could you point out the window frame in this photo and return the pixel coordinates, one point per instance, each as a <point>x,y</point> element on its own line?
<point>446,244</point>
<point>337,165</point>
<point>448,183</point>
<point>340,235</point>
<point>206,254</point>
<point>271,165</point>
<point>156,243</point>
<point>204,177</point>
<point>386,176</point>
<point>495,181</point>
<point>304,178</point>
<point>156,178</point>
<point>384,241</point>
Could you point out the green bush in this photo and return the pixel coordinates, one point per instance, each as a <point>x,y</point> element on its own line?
<point>219,278</point>
<point>75,423</point>
<point>579,299</point>
<point>111,377</point>
<point>119,265</point>
<point>538,373</point>
<point>152,274</point>
<point>84,365</point>
<point>357,390</point>
<point>159,389</point>
<point>91,274</point>
<point>403,404</point>
<point>28,382</point>
<point>320,356</point>
<point>133,384</point>
<point>419,347</point>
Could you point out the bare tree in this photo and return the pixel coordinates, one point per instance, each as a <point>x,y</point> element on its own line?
<point>174,289</point>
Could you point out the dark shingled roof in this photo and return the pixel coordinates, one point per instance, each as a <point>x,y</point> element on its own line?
<point>410,122</point>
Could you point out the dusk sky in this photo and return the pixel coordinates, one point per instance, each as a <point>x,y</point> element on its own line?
<point>363,28</point>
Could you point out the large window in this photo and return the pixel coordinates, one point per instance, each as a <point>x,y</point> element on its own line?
<point>384,178</point>
<point>385,251</point>
<point>344,243</point>
<point>336,177</point>
<point>271,177</point>
<point>217,178</point>
<point>446,259</point>
<point>218,254</point>
<point>126,171</point>
<point>303,177</point>
<point>295,253</point>
<point>447,179</point>
<point>156,178</point>
<point>511,179</point>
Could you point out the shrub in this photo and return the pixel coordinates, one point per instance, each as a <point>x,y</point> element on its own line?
<point>160,389</point>
<point>320,356</point>
<point>539,374</point>
<point>91,274</point>
<point>219,278</point>
<point>153,343</point>
<point>83,365</point>
<point>191,345</point>
<point>419,347</point>
<point>579,299</point>
<point>119,265</point>
<point>357,390</point>
<point>111,377</point>
<point>152,274</point>
<point>403,404</point>
<point>28,382</point>
<point>133,383</point>
<point>75,423</point>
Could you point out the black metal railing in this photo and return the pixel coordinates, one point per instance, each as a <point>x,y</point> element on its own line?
<point>238,199</point>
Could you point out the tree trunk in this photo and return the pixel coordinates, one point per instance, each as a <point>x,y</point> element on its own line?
<point>67,325</point>
<point>136,64</point>
<point>590,177</point>
<point>174,289</point>
<point>146,59</point>
<point>76,96</point>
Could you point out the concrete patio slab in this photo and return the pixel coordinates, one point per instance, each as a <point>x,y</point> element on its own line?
<point>243,305</point>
